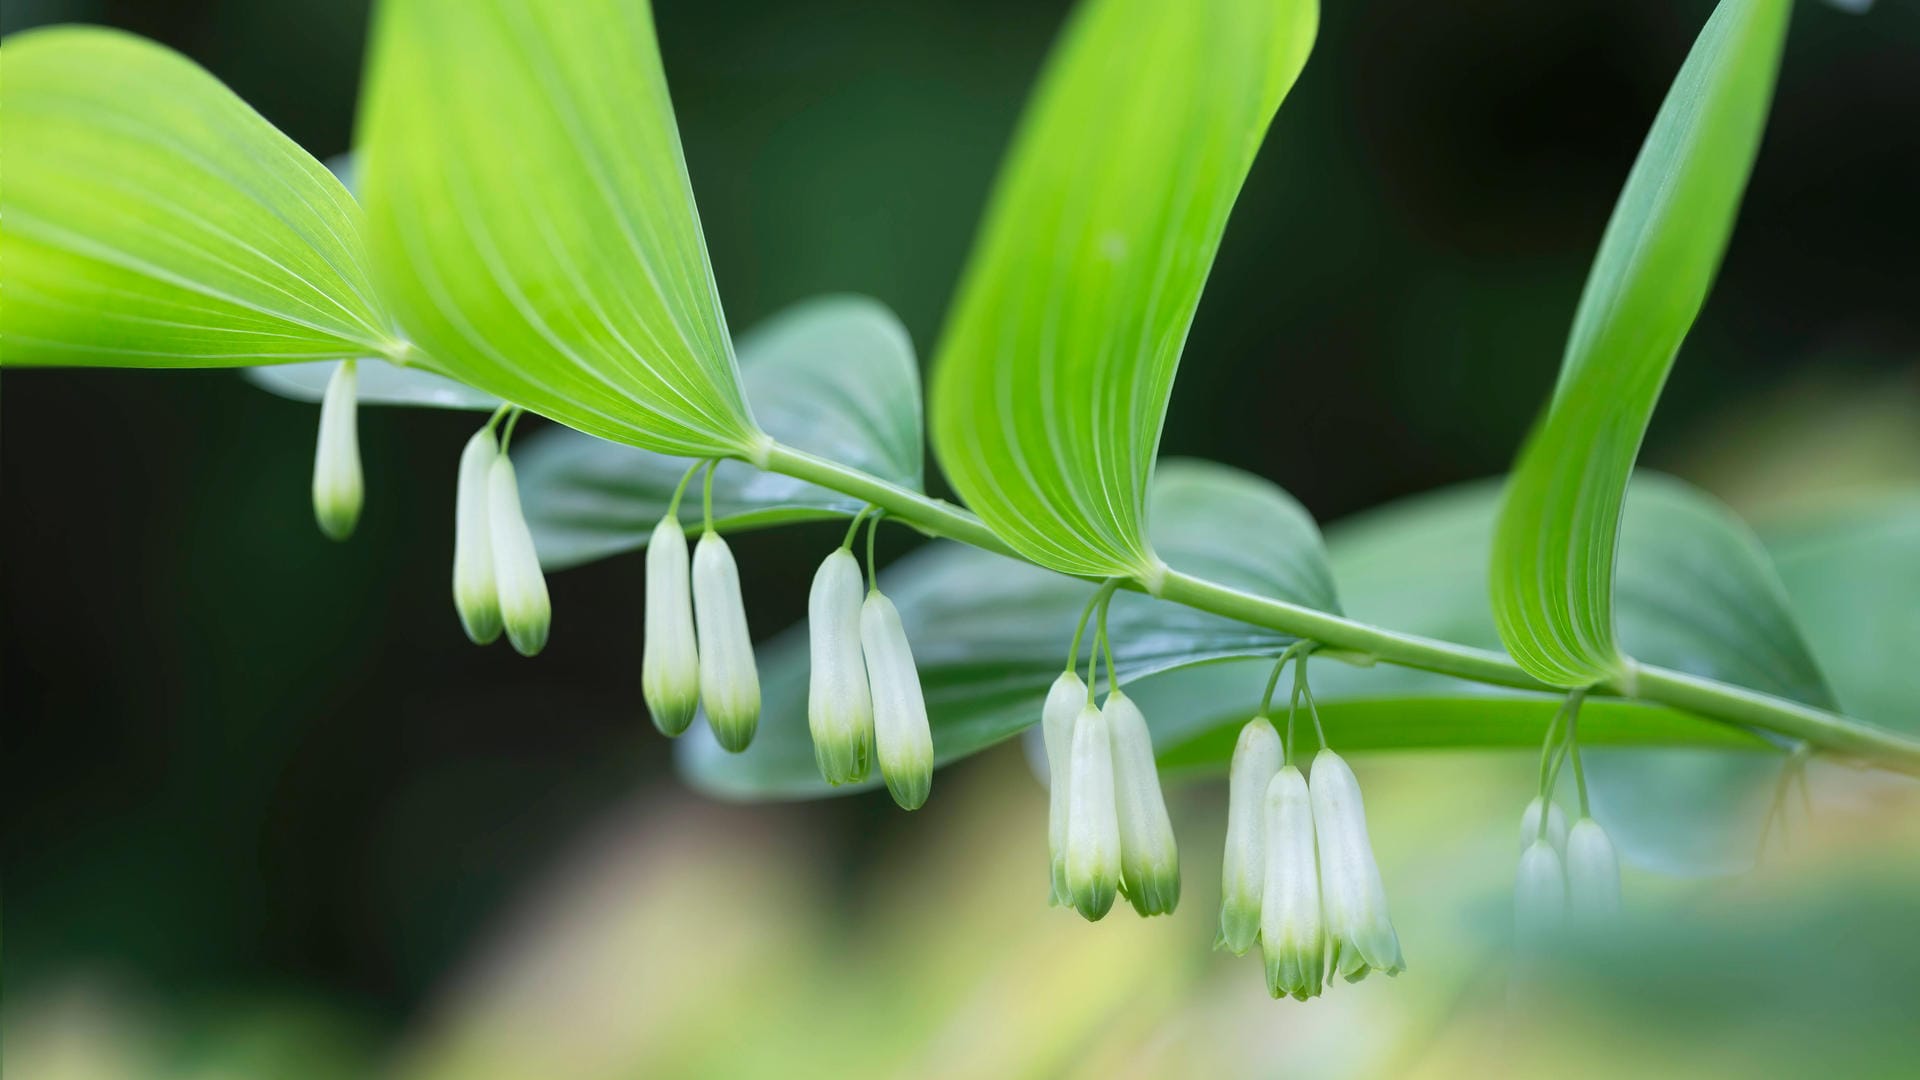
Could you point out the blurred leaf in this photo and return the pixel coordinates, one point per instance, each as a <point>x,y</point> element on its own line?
<point>834,376</point>
<point>151,219</point>
<point>1052,379</point>
<point>533,221</point>
<point>990,634</point>
<point>1554,552</point>
<point>379,384</point>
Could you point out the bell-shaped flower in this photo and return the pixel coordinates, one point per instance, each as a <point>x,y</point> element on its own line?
<point>1556,824</point>
<point>1593,872</point>
<point>1352,896</point>
<point>1539,896</point>
<point>337,486</point>
<point>475,595</point>
<point>729,680</point>
<point>1243,870</point>
<point>1093,826</point>
<point>839,705</point>
<point>1065,699</point>
<point>1293,939</point>
<point>902,740</point>
<point>670,657</point>
<point>1149,858</point>
<point>524,608</point>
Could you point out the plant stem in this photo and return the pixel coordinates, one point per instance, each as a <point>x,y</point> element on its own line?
<point>1724,702</point>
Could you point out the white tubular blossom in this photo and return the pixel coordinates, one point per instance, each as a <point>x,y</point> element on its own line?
<point>1065,699</point>
<point>1593,873</point>
<point>524,607</point>
<point>1539,897</point>
<point>475,595</point>
<point>902,739</point>
<point>337,486</point>
<point>839,705</point>
<point>729,680</point>
<point>1353,898</point>
<point>1149,857</point>
<point>670,657</point>
<point>1293,939</point>
<point>1556,824</point>
<point>1243,869</point>
<point>1093,826</point>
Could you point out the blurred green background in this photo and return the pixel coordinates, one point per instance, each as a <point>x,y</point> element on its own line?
<point>269,814</point>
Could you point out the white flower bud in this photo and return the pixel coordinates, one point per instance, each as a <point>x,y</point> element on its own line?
<point>729,680</point>
<point>1593,872</point>
<point>1093,826</point>
<point>1353,898</point>
<point>1149,858</point>
<point>475,596</point>
<point>1539,896</point>
<point>524,608</point>
<point>839,706</point>
<point>669,658</point>
<point>1293,939</point>
<point>1556,824</point>
<point>902,740</point>
<point>1243,870</point>
<point>1064,701</point>
<point>337,487</point>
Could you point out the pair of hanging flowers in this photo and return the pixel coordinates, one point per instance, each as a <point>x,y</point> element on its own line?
<point>1565,874</point>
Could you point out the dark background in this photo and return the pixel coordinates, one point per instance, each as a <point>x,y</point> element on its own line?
<point>239,756</point>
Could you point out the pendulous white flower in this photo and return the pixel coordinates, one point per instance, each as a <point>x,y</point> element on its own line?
<point>1293,939</point>
<point>1593,872</point>
<point>1093,826</point>
<point>475,596</point>
<point>1065,699</point>
<point>1243,870</point>
<point>1530,824</point>
<point>1149,858</point>
<point>839,705</point>
<point>902,741</point>
<point>1353,898</point>
<point>524,608</point>
<point>1539,896</point>
<point>670,657</point>
<point>729,680</point>
<point>337,486</point>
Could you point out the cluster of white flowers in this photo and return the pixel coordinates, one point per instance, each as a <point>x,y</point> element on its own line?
<point>698,650</point>
<point>497,582</point>
<point>1299,875</point>
<point>864,702</point>
<point>1564,874</point>
<point>1108,832</point>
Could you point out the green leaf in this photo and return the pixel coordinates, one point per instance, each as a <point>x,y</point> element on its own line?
<point>379,384</point>
<point>149,218</point>
<point>834,376</point>
<point>533,220</point>
<point>1051,383</point>
<point>1554,551</point>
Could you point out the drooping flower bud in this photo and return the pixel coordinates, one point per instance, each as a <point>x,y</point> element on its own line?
<point>337,486</point>
<point>839,705</point>
<point>1149,858</point>
<point>729,680</point>
<point>1065,699</point>
<point>902,740</point>
<point>475,595</point>
<point>1556,824</point>
<point>1352,896</point>
<point>1293,939</point>
<point>1593,872</point>
<point>1243,870</point>
<point>1093,826</point>
<point>524,607</point>
<point>670,657</point>
<point>1539,896</point>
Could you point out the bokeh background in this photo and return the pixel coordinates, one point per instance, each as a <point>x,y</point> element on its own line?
<point>269,814</point>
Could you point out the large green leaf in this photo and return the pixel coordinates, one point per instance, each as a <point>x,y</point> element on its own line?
<point>989,633</point>
<point>834,376</point>
<point>378,383</point>
<point>532,217</point>
<point>149,218</point>
<point>1554,551</point>
<point>1052,380</point>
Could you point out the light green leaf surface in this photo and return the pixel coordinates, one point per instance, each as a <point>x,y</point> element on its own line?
<point>1053,377</point>
<point>834,376</point>
<point>149,218</point>
<point>990,634</point>
<point>1554,552</point>
<point>533,220</point>
<point>379,383</point>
